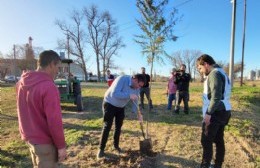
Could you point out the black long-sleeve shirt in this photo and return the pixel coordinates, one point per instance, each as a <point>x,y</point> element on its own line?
<point>183,81</point>
<point>146,81</point>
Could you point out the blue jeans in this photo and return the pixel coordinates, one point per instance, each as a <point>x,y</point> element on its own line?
<point>171,97</point>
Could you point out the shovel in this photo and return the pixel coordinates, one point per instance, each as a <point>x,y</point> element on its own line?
<point>146,144</point>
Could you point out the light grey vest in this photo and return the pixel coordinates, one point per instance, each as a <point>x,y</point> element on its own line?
<point>227,93</point>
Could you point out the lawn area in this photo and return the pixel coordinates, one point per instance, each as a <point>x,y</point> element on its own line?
<point>175,138</point>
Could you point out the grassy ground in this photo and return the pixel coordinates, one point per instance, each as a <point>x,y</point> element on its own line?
<point>176,138</point>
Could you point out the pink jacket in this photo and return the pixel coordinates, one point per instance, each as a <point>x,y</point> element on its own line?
<point>39,112</point>
<point>171,85</point>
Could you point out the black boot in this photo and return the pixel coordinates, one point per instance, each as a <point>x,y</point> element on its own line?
<point>205,165</point>
<point>216,166</point>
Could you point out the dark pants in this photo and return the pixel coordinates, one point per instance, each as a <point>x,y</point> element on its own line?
<point>215,134</point>
<point>171,97</point>
<point>111,112</point>
<point>182,95</point>
<point>145,91</point>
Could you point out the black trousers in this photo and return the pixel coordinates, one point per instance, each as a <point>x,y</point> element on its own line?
<point>182,95</point>
<point>110,112</point>
<point>145,91</point>
<point>215,134</point>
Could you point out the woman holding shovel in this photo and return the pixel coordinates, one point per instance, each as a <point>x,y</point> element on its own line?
<point>123,89</point>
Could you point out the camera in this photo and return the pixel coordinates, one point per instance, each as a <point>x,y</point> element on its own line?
<point>178,72</point>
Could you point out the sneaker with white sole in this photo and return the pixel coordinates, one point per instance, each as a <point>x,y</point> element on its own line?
<point>100,154</point>
<point>119,151</point>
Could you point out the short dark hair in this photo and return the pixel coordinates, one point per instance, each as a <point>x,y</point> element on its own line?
<point>47,57</point>
<point>205,58</point>
<point>183,65</point>
<point>139,77</point>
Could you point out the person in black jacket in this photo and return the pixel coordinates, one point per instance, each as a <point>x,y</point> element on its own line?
<point>145,90</point>
<point>182,80</point>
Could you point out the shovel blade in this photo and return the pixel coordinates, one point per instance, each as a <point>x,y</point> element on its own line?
<point>146,146</point>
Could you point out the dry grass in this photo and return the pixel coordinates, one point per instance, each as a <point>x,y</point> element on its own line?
<point>176,138</point>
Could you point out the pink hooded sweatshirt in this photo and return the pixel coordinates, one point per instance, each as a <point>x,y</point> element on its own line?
<point>39,112</point>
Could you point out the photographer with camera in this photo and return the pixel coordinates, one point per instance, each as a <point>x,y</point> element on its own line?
<point>182,80</point>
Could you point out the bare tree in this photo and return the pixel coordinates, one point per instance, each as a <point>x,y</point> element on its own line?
<point>26,56</point>
<point>37,51</point>
<point>176,59</point>
<point>225,66</point>
<point>3,67</point>
<point>187,57</point>
<point>96,34</point>
<point>22,52</point>
<point>111,44</point>
<point>76,35</point>
<point>193,68</point>
<point>156,28</point>
<point>237,68</point>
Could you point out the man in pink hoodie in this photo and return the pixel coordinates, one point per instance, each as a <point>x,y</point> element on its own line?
<point>39,112</point>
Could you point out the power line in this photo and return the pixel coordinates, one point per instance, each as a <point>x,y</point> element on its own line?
<point>183,3</point>
<point>132,22</point>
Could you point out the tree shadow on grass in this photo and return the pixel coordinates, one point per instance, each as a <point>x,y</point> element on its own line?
<point>7,84</point>
<point>160,115</point>
<point>9,159</point>
<point>80,127</point>
<point>7,117</point>
<point>92,109</point>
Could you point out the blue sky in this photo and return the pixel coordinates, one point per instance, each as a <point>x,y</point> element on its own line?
<point>206,26</point>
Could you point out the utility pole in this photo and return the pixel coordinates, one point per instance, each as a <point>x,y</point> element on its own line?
<point>243,45</point>
<point>14,62</point>
<point>232,43</point>
<point>68,46</point>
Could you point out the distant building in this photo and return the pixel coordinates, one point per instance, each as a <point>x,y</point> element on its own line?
<point>251,75</point>
<point>75,70</point>
<point>258,74</point>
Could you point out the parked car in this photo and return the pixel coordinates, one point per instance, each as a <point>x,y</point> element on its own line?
<point>81,78</point>
<point>93,78</point>
<point>10,79</point>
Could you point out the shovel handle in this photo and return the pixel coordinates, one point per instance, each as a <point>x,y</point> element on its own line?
<point>141,123</point>
<point>142,129</point>
<point>139,112</point>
